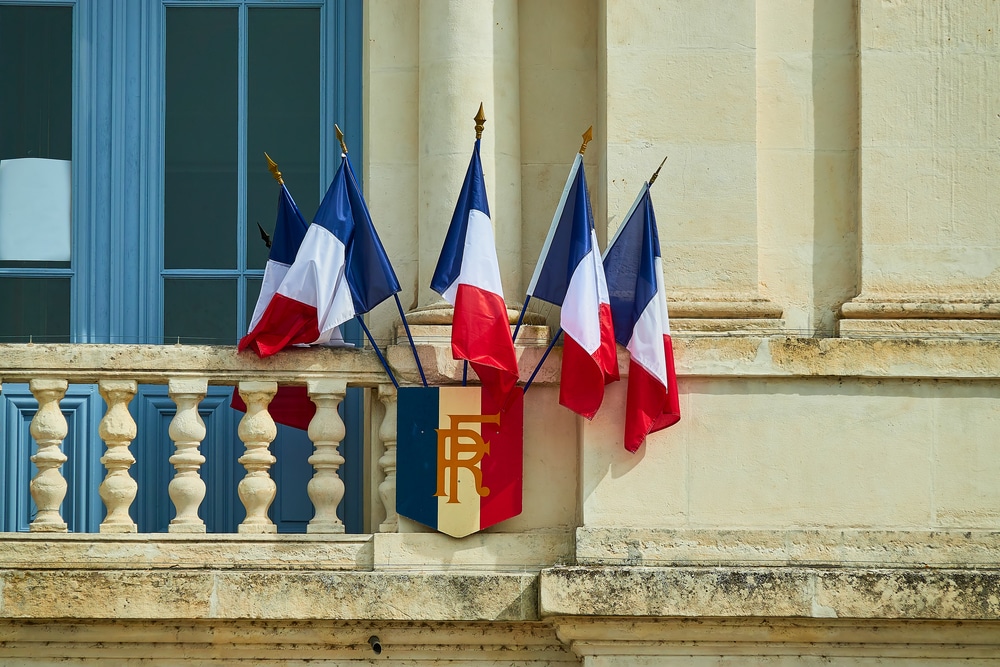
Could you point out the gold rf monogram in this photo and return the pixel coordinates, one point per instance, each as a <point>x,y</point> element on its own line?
<point>450,459</point>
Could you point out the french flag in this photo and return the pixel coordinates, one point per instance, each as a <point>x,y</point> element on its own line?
<point>291,405</point>
<point>569,274</point>
<point>468,277</point>
<point>341,270</point>
<point>639,310</point>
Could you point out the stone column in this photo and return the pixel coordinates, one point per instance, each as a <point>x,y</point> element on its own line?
<point>387,434</point>
<point>468,55</point>
<point>930,220</point>
<point>48,428</point>
<point>187,430</point>
<point>257,430</point>
<point>706,195</point>
<point>326,430</point>
<point>117,429</point>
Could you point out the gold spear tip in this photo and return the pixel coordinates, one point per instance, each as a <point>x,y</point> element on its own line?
<point>656,173</point>
<point>340,138</point>
<point>480,122</point>
<point>588,136</point>
<point>272,166</point>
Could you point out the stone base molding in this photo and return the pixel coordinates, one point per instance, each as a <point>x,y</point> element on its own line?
<point>920,317</point>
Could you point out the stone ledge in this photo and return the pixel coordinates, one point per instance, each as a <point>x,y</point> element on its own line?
<point>749,638</point>
<point>257,643</point>
<point>87,551</point>
<point>221,364</point>
<point>787,592</point>
<point>852,548</point>
<point>266,595</point>
<point>759,356</point>
<point>494,552</point>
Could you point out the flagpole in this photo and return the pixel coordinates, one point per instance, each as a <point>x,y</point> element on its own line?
<point>544,357</point>
<point>385,364</point>
<point>399,306</point>
<point>520,317</point>
<point>409,337</point>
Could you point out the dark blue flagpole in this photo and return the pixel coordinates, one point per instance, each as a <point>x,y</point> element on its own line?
<point>385,364</point>
<point>520,317</point>
<point>544,357</point>
<point>409,337</point>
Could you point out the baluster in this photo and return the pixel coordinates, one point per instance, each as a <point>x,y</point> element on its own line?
<point>257,430</point>
<point>48,428</point>
<point>387,434</point>
<point>326,430</point>
<point>117,429</point>
<point>187,430</point>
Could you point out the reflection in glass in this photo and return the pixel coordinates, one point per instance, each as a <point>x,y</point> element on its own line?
<point>199,311</point>
<point>36,132</point>
<point>201,178</point>
<point>283,104</point>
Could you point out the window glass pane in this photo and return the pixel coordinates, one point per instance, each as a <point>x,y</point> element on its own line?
<point>200,311</point>
<point>36,127</point>
<point>282,116</point>
<point>253,291</point>
<point>201,180</point>
<point>34,307</point>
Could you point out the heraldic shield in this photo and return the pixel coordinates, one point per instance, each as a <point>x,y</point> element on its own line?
<point>459,465</point>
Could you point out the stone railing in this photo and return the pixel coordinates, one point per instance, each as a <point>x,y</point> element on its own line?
<point>187,371</point>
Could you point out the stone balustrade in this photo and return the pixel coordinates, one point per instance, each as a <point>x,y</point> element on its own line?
<point>187,371</point>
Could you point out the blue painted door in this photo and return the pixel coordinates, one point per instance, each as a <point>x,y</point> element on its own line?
<point>162,107</point>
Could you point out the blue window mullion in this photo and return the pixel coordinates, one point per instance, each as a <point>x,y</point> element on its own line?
<point>241,222</point>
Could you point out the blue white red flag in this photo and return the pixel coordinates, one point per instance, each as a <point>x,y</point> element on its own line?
<point>634,271</point>
<point>468,277</point>
<point>569,274</point>
<point>291,405</point>
<point>341,270</point>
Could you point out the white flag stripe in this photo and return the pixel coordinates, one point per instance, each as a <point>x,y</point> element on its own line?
<point>580,314</point>
<point>317,279</point>
<point>274,273</point>
<point>646,343</point>
<point>479,260</point>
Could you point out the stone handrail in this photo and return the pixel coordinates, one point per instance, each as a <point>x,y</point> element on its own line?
<point>187,371</point>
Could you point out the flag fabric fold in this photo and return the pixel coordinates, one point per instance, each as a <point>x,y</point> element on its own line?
<point>468,277</point>
<point>569,274</point>
<point>341,270</point>
<point>634,270</point>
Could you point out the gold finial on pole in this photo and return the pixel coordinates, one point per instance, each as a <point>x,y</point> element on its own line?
<point>480,122</point>
<point>588,136</point>
<point>340,138</point>
<point>657,172</point>
<point>272,167</point>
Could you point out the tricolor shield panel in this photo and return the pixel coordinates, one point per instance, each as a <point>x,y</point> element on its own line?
<point>459,458</point>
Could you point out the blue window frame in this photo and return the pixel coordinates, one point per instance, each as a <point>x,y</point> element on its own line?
<point>125,279</point>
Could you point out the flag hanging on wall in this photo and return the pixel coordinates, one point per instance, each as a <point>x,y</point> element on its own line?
<point>468,277</point>
<point>634,271</point>
<point>569,274</point>
<point>341,270</point>
<point>459,454</point>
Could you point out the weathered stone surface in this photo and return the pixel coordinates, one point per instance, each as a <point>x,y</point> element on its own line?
<point>19,551</point>
<point>771,592</point>
<point>273,595</point>
<point>258,642</point>
<point>494,551</point>
<point>156,364</point>
<point>868,548</point>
